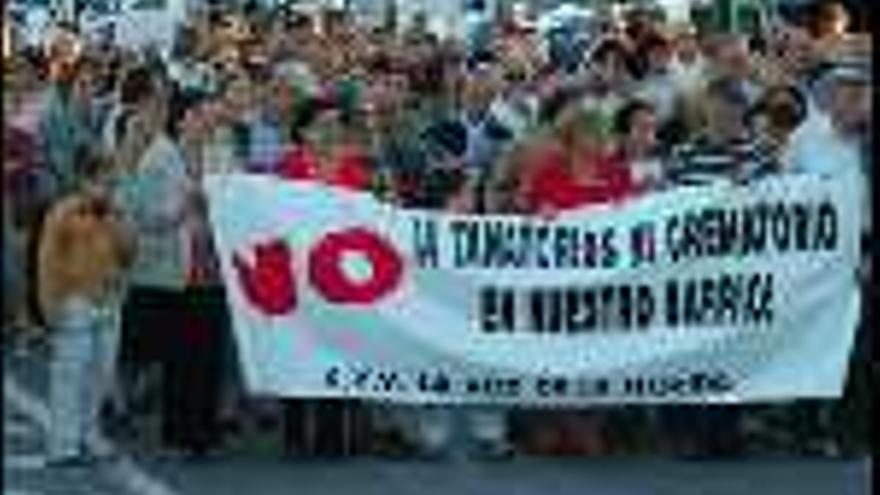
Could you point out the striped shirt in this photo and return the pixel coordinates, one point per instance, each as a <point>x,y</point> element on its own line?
<point>702,162</point>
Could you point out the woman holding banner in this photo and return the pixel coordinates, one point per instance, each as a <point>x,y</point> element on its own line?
<point>160,326</point>
<point>576,167</point>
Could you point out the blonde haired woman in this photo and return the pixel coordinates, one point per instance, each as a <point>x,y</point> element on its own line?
<point>82,257</point>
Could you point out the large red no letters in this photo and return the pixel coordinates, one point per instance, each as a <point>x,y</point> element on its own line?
<point>270,283</point>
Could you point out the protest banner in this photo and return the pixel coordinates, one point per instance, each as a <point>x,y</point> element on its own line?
<point>726,293</point>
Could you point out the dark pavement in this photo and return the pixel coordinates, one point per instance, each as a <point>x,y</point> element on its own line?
<point>523,477</point>
<point>25,423</point>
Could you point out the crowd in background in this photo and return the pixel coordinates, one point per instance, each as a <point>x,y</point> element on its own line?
<point>508,121</point>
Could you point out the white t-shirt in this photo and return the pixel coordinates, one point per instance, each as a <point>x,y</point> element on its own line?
<point>816,147</point>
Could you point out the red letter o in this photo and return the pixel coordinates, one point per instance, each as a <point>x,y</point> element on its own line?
<point>328,277</point>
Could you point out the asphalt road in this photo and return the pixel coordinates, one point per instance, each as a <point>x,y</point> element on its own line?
<point>25,423</point>
<point>524,477</point>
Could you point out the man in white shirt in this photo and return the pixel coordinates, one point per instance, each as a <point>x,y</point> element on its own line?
<point>834,142</point>
<point>830,141</point>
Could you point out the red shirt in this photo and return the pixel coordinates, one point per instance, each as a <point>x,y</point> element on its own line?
<point>299,163</point>
<point>553,186</point>
<point>351,170</point>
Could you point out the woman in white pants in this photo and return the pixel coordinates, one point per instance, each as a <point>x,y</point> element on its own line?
<point>82,254</point>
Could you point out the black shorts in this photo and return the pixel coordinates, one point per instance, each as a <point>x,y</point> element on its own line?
<point>149,315</point>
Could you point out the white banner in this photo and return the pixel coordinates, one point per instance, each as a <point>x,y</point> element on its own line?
<point>720,294</point>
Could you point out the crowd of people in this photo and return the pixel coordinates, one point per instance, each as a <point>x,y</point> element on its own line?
<point>106,233</point>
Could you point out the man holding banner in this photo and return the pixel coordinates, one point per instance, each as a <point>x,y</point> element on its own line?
<point>448,235</point>
<point>602,306</point>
